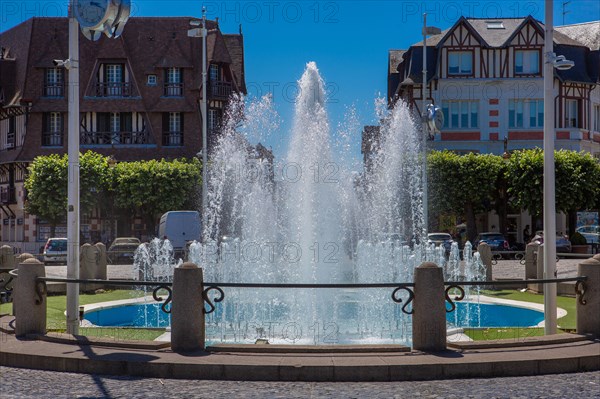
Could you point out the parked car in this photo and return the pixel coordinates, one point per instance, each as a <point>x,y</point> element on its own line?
<point>563,245</point>
<point>496,241</point>
<point>180,227</point>
<point>122,249</point>
<point>55,251</point>
<point>591,233</point>
<point>438,239</point>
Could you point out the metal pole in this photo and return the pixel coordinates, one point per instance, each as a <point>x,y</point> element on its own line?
<point>73,184</point>
<point>204,125</point>
<point>425,132</point>
<point>549,178</point>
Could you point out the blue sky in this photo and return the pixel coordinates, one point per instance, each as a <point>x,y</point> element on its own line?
<point>349,40</point>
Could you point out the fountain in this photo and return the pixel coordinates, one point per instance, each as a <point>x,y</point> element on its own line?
<point>310,219</point>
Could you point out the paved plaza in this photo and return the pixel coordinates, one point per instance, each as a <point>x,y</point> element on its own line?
<point>23,383</point>
<point>504,269</point>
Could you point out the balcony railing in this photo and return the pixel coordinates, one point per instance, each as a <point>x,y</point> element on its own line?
<point>172,139</point>
<point>173,89</point>
<point>52,139</point>
<point>54,90</point>
<point>220,89</point>
<point>113,89</point>
<point>115,138</point>
<point>8,196</point>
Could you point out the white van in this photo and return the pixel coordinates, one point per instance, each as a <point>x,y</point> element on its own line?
<point>180,227</point>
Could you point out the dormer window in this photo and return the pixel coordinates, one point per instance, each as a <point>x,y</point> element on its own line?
<point>214,73</point>
<point>53,85</point>
<point>460,63</point>
<point>173,82</point>
<point>494,24</point>
<point>527,62</point>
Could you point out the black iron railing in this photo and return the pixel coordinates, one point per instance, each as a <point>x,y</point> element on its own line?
<point>113,89</point>
<point>580,288</point>
<point>172,139</point>
<point>8,196</point>
<point>173,89</point>
<point>220,89</point>
<point>53,90</point>
<point>52,139</point>
<point>115,138</point>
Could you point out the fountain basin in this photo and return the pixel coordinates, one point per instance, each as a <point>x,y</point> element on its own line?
<point>466,315</point>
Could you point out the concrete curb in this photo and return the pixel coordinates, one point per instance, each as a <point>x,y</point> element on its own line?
<point>553,357</point>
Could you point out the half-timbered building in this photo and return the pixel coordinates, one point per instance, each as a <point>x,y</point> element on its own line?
<point>139,99</point>
<point>486,75</point>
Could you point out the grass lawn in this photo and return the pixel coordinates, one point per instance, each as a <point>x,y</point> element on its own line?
<point>567,322</point>
<point>56,320</point>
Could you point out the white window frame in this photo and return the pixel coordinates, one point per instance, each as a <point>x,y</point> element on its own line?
<point>114,73</point>
<point>214,72</point>
<point>597,117</point>
<point>175,122</point>
<point>55,122</point>
<point>151,80</point>
<point>571,113</point>
<point>527,62</point>
<point>54,82</point>
<point>173,75</point>
<point>460,60</point>
<point>525,113</point>
<point>461,114</point>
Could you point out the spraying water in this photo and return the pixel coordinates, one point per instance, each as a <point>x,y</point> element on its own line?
<point>311,219</point>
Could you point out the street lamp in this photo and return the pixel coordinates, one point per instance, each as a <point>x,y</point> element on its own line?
<point>95,18</point>
<point>427,30</point>
<point>558,62</point>
<point>203,32</point>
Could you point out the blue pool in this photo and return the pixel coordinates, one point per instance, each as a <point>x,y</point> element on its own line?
<point>467,314</point>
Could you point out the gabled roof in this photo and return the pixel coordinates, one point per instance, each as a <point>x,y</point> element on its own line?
<point>587,33</point>
<point>235,45</point>
<point>415,65</point>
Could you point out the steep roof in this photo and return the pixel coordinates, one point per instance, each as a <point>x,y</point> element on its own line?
<point>235,45</point>
<point>587,33</point>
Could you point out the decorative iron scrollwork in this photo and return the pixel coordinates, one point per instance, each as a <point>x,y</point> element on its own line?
<point>40,291</point>
<point>216,299</point>
<point>458,297</point>
<point>580,289</point>
<point>411,296</point>
<point>159,298</point>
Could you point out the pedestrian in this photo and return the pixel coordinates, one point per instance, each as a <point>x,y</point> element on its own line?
<point>526,234</point>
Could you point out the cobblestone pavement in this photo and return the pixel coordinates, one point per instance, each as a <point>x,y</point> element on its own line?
<point>24,383</point>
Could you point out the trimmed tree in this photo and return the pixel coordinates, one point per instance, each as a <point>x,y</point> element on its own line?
<point>46,185</point>
<point>151,188</point>
<point>577,177</point>
<point>463,184</point>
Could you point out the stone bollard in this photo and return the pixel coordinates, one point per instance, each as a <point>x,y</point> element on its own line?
<point>101,268</point>
<point>187,316</point>
<point>23,257</point>
<point>30,316</point>
<point>88,255</point>
<point>485,252</point>
<point>530,260</point>
<point>588,315</point>
<point>539,271</point>
<point>7,258</point>
<point>429,309</point>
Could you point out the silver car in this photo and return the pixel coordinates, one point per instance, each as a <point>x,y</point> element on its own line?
<point>55,251</point>
<point>591,233</point>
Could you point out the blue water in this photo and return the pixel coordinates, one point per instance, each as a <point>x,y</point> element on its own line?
<point>148,315</point>
<point>467,314</point>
